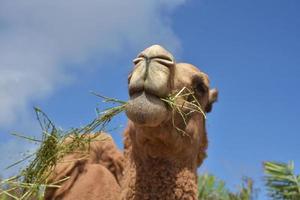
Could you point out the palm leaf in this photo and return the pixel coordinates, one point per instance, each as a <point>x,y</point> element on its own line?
<point>211,188</point>
<point>281,181</point>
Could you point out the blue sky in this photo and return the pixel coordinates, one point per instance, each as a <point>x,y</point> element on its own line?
<point>53,54</point>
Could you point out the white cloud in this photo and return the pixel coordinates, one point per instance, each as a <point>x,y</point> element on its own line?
<point>38,38</point>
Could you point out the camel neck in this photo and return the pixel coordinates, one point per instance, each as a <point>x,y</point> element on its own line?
<point>155,178</point>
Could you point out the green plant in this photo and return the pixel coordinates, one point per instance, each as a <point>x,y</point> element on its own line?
<point>246,192</point>
<point>281,181</point>
<point>31,182</point>
<point>211,188</point>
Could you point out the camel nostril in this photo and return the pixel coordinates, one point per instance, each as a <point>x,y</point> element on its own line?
<point>157,52</point>
<point>164,57</point>
<point>152,72</point>
<point>137,60</point>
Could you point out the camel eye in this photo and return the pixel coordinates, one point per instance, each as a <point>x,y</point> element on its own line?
<point>200,88</point>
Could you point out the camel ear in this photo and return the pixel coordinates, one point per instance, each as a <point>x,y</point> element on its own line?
<point>212,98</point>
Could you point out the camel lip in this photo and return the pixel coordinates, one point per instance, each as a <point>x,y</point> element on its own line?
<point>145,109</point>
<point>137,93</point>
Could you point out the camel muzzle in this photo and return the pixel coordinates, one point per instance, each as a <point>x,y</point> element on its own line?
<point>152,72</point>
<point>149,81</point>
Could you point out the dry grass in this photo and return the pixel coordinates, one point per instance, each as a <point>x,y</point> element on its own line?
<point>31,182</point>
<point>179,104</point>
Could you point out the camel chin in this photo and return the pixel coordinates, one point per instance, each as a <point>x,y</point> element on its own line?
<point>145,109</point>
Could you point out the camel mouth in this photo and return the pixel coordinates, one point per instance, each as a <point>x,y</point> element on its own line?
<point>146,109</point>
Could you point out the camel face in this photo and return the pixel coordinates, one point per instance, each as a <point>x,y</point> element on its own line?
<point>155,75</point>
<point>155,126</point>
<point>149,81</point>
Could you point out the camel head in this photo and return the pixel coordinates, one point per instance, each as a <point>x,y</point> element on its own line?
<point>157,129</point>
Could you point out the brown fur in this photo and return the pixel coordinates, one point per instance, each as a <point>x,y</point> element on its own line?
<point>92,176</point>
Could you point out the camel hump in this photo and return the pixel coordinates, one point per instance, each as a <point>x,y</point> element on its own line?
<point>101,155</point>
<point>89,181</point>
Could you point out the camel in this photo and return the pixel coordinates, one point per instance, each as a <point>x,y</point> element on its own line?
<point>159,161</point>
<point>95,175</point>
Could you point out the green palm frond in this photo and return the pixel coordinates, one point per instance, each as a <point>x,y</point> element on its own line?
<point>211,188</point>
<point>246,192</point>
<point>281,181</point>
